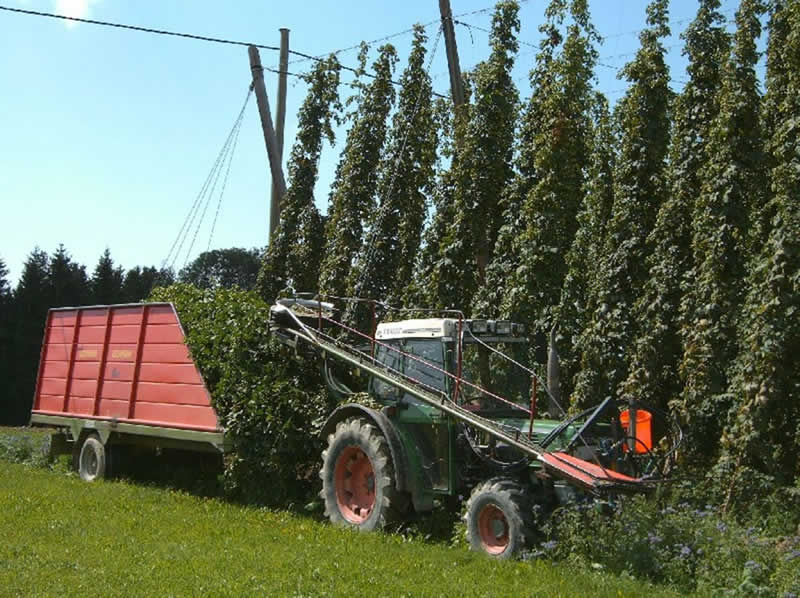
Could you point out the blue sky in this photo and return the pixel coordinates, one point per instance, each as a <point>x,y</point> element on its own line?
<point>106,136</point>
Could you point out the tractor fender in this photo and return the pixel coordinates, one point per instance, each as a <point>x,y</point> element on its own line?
<point>387,428</point>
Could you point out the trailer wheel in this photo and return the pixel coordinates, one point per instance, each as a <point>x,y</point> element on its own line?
<point>499,518</point>
<point>92,459</point>
<point>358,477</point>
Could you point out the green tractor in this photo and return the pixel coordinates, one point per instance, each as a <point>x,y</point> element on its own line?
<point>443,408</point>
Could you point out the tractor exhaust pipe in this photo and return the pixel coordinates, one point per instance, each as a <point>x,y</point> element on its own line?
<point>553,377</point>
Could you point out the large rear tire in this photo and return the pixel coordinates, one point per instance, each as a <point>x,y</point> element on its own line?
<point>358,484</point>
<point>92,459</point>
<point>499,518</point>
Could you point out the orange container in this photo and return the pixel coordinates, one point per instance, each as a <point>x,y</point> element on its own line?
<point>644,433</point>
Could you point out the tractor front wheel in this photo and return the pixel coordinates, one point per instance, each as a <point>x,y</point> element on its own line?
<point>358,484</point>
<point>499,518</point>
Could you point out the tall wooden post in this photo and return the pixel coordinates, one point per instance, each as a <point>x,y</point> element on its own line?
<point>456,85</point>
<point>266,124</point>
<point>280,120</point>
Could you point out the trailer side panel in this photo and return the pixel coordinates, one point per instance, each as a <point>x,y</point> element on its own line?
<point>123,363</point>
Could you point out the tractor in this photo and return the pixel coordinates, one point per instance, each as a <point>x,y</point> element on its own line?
<point>436,407</point>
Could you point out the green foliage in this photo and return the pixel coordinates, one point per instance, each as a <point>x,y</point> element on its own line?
<point>419,291</point>
<point>7,352</point>
<point>481,168</point>
<point>127,540</point>
<point>562,146</point>
<point>639,191</point>
<point>139,282</point>
<point>497,293</point>
<point>268,403</point>
<point>5,288</point>
<point>686,546</point>
<point>32,298</point>
<point>352,197</point>
<point>763,436</point>
<point>25,445</point>
<point>226,268</point>
<point>575,308</point>
<point>106,281</point>
<point>385,265</point>
<point>658,350</point>
<point>67,281</point>
<point>292,257</point>
<point>733,179</point>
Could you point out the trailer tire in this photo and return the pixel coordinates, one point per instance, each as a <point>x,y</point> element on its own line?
<point>92,459</point>
<point>499,518</point>
<point>358,483</point>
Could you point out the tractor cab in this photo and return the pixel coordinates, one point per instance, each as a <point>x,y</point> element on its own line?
<point>465,362</point>
<point>456,358</point>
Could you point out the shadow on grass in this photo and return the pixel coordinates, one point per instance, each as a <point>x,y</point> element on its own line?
<point>202,475</point>
<point>199,474</point>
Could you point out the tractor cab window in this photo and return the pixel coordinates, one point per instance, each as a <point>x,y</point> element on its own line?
<point>482,369</point>
<point>423,363</point>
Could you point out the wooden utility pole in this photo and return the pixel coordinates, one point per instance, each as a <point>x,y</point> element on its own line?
<point>271,142</point>
<point>280,120</point>
<point>456,85</point>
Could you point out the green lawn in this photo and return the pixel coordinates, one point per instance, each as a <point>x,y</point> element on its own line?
<point>61,536</point>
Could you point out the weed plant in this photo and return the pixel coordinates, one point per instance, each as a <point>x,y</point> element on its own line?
<point>672,540</point>
<point>25,445</point>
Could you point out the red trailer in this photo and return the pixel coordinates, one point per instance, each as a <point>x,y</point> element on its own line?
<point>121,375</point>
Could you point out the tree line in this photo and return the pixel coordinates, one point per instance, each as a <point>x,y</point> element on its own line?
<point>659,238</point>
<point>56,280</point>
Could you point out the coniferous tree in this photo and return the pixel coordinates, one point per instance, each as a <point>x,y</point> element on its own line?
<point>292,257</point>
<point>5,288</point>
<point>481,168</point>
<point>496,296</point>
<point>106,282</point>
<point>68,283</point>
<point>140,282</point>
<point>385,265</point>
<point>763,436</point>
<point>561,159</point>
<point>32,298</point>
<point>658,350</point>
<point>575,309</point>
<point>732,180</point>
<point>639,191</point>
<point>352,197</point>
<point>6,340</point>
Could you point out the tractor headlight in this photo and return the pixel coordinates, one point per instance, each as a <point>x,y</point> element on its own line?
<point>502,327</point>
<point>479,326</point>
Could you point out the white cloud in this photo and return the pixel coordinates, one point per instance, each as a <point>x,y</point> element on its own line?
<point>78,9</point>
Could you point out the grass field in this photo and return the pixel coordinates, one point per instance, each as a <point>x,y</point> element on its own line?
<point>61,536</point>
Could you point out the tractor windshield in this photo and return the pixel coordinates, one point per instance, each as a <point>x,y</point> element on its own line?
<point>421,360</point>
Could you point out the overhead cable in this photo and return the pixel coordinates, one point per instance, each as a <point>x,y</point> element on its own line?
<point>216,40</point>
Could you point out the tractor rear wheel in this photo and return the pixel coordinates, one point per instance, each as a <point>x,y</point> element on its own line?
<point>357,474</point>
<point>499,518</point>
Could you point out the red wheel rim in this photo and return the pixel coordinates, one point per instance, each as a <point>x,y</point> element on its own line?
<point>354,480</point>
<point>493,529</point>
